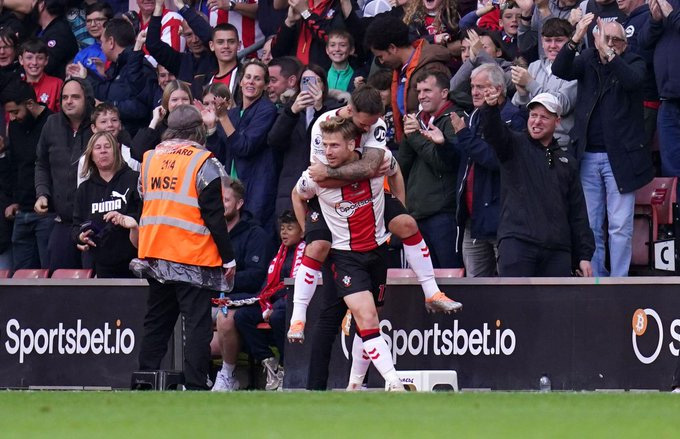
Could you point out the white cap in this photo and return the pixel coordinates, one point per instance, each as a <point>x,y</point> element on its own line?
<point>375,7</point>
<point>549,101</point>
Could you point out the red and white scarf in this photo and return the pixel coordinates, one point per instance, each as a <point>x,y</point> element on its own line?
<point>274,283</point>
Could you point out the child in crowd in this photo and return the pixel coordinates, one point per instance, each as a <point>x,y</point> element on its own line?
<point>33,58</point>
<point>339,48</point>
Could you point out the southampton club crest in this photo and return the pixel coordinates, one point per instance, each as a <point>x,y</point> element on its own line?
<point>347,281</point>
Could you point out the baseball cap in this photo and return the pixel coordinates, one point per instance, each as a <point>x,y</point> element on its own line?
<point>549,101</point>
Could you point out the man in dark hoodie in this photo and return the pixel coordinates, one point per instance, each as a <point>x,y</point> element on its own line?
<point>62,142</point>
<point>252,250</point>
<point>387,37</point>
<point>31,230</point>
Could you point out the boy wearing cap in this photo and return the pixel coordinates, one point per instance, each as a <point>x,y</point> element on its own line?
<point>543,229</point>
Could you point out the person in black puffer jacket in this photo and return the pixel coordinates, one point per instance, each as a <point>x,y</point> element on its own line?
<point>112,186</point>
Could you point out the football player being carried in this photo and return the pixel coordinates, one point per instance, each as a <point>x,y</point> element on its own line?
<point>371,159</point>
<point>355,217</point>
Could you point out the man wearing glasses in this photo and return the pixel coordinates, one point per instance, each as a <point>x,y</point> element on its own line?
<point>608,135</point>
<point>543,229</point>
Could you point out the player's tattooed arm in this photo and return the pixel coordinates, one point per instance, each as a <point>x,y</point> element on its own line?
<point>362,169</point>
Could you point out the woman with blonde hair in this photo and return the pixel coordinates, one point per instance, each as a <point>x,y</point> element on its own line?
<point>110,189</point>
<point>175,93</point>
<point>434,20</point>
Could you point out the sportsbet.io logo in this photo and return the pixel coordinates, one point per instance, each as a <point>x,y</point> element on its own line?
<point>645,327</point>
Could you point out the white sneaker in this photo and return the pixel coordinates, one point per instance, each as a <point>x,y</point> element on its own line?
<point>224,383</point>
<point>676,390</point>
<point>274,379</point>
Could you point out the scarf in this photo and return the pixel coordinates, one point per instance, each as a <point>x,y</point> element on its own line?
<point>305,35</point>
<point>274,283</point>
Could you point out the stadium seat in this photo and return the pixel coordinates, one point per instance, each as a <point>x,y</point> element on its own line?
<point>653,207</point>
<point>31,273</point>
<point>72,274</point>
<point>4,274</point>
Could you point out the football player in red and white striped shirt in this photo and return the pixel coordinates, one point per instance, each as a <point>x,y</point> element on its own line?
<point>354,214</point>
<point>364,110</point>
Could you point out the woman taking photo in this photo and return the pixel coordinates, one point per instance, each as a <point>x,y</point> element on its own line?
<point>176,93</point>
<point>239,141</point>
<point>290,133</point>
<point>111,187</point>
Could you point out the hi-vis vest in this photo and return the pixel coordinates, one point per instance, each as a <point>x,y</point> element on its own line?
<point>171,227</point>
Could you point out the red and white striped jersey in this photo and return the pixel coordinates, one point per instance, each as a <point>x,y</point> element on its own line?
<point>354,213</point>
<point>374,138</point>
<point>171,31</point>
<point>248,30</point>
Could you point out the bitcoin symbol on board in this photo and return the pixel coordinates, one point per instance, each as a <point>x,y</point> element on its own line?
<point>639,322</point>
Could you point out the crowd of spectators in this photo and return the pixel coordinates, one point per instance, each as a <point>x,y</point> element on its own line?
<point>86,87</point>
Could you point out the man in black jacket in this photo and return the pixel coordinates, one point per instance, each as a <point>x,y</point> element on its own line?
<point>62,142</point>
<point>56,33</point>
<point>252,250</point>
<point>31,231</point>
<point>609,135</point>
<point>197,59</point>
<point>543,229</point>
<point>125,77</point>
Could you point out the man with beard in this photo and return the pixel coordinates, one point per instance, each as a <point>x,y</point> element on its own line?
<point>31,231</point>
<point>251,250</point>
<point>62,142</point>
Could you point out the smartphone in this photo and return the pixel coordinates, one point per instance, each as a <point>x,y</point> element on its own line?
<point>423,125</point>
<point>306,80</point>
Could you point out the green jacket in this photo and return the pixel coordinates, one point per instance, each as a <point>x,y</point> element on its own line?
<point>430,171</point>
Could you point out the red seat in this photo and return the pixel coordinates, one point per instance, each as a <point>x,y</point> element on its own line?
<point>653,206</point>
<point>263,326</point>
<point>64,273</point>
<point>4,274</point>
<point>31,273</point>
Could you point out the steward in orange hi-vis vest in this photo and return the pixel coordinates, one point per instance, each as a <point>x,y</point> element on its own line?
<point>171,226</point>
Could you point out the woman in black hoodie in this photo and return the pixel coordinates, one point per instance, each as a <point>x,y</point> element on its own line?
<point>112,186</point>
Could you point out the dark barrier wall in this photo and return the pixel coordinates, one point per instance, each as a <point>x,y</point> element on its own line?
<point>70,333</point>
<point>585,334</point>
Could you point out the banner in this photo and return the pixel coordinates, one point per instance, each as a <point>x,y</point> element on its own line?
<point>584,334</point>
<point>70,333</point>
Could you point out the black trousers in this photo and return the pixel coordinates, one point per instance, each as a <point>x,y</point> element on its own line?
<point>256,341</point>
<point>517,258</point>
<point>166,302</point>
<point>333,310</point>
<point>62,251</point>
